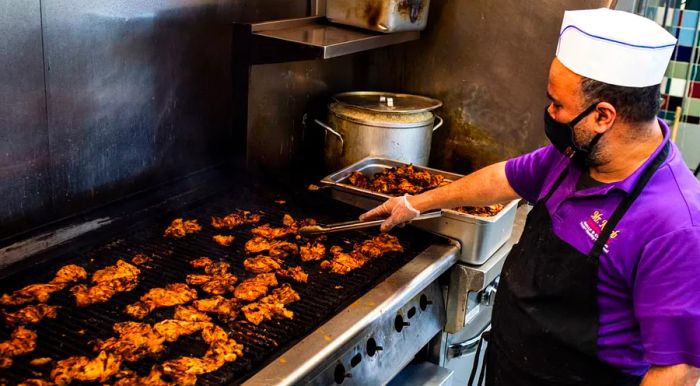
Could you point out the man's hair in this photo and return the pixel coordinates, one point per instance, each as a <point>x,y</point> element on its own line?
<point>633,104</point>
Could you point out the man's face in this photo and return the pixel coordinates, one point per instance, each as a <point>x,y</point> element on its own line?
<point>566,101</point>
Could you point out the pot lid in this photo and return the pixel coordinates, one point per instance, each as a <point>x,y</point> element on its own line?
<point>387,102</point>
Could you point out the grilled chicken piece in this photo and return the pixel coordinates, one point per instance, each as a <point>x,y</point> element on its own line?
<point>343,263</point>
<point>68,274</point>
<point>407,187</point>
<point>290,227</point>
<point>30,293</point>
<point>41,292</point>
<point>21,342</point>
<point>398,181</point>
<point>172,295</point>
<point>201,262</point>
<point>230,221</point>
<point>121,277</point>
<point>154,378</point>
<point>85,296</point>
<point>36,382</point>
<point>223,240</point>
<point>283,249</point>
<point>276,249</point>
<point>226,308</point>
<point>190,314</point>
<point>257,244</point>
<point>85,369</point>
<point>272,306</point>
<point>262,264</point>
<point>40,361</point>
<point>180,228</point>
<point>285,294</point>
<point>222,350</point>
<point>217,268</point>
<point>312,252</point>
<point>121,271</point>
<point>288,220</point>
<point>358,179</point>
<point>486,211</point>
<point>135,341</point>
<point>217,281</point>
<point>378,245</point>
<point>294,273</point>
<point>140,259</point>
<point>217,284</point>
<point>172,329</point>
<point>255,287</point>
<point>30,314</point>
<point>271,233</point>
<point>221,346</point>
<point>184,370</point>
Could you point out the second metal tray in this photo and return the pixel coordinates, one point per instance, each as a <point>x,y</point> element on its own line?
<point>479,236</point>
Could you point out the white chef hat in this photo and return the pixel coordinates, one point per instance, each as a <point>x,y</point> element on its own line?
<point>614,47</point>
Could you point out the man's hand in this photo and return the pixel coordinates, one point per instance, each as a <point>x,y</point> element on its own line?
<point>397,211</point>
<point>678,375</point>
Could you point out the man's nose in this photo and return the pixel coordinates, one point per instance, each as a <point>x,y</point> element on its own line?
<point>550,109</point>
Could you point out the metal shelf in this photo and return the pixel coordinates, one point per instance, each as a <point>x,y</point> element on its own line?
<point>313,38</point>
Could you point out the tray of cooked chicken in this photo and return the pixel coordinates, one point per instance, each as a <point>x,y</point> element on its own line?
<point>371,181</point>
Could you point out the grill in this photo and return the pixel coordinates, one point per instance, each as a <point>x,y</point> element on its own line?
<point>323,296</point>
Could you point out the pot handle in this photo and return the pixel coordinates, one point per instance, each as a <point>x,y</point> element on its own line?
<point>439,124</point>
<point>340,137</point>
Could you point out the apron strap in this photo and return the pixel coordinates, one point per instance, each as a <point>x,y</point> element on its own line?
<point>627,202</point>
<point>556,184</point>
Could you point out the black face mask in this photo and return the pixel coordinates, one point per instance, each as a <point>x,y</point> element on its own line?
<point>562,136</point>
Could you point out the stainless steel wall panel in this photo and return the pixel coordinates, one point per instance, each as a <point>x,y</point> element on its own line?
<point>121,96</point>
<point>282,97</point>
<point>488,61</point>
<point>138,92</point>
<point>24,160</point>
<point>253,11</point>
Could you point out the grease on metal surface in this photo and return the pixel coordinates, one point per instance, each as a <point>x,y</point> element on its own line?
<point>25,248</point>
<point>411,8</point>
<point>373,12</point>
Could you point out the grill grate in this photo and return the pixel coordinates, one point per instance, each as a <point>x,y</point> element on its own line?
<point>71,333</point>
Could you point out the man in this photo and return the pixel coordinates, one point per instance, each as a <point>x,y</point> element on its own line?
<point>604,286</point>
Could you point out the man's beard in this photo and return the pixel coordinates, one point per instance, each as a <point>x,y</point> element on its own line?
<point>597,155</point>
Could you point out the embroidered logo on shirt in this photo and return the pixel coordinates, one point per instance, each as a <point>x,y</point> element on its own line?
<point>594,224</point>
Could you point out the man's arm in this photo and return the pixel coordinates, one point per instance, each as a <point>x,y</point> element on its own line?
<point>677,375</point>
<point>483,187</point>
<point>486,186</point>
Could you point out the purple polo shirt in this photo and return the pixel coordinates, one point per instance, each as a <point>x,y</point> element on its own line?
<point>649,272</point>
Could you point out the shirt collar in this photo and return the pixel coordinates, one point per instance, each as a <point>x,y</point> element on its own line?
<point>628,183</point>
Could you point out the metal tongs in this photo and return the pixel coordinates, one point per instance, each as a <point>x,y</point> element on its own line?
<point>314,230</point>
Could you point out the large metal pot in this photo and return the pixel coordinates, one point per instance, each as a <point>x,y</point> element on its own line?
<point>390,125</point>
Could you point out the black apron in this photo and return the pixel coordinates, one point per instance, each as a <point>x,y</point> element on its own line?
<point>545,317</point>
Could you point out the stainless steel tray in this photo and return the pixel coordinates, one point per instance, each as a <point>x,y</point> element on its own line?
<point>479,237</point>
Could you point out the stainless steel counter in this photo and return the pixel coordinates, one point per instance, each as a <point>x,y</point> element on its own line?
<point>467,280</point>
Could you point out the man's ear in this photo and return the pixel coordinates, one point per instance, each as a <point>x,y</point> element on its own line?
<point>604,115</point>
